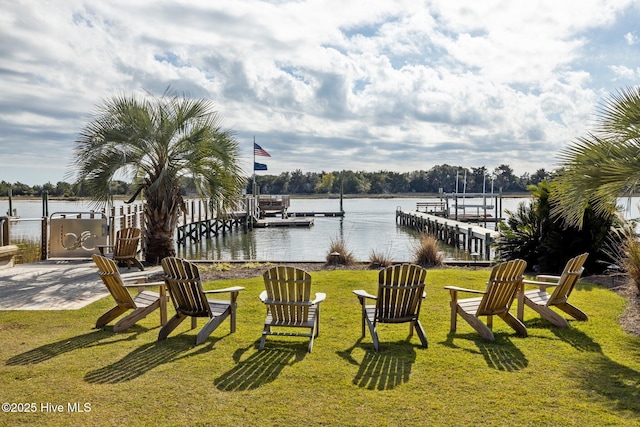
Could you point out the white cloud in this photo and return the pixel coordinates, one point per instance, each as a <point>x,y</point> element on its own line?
<point>631,38</point>
<point>398,85</point>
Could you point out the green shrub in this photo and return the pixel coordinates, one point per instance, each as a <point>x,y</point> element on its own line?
<point>379,259</point>
<point>427,252</point>
<point>339,254</point>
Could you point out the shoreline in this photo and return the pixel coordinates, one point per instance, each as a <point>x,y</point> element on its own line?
<point>330,196</point>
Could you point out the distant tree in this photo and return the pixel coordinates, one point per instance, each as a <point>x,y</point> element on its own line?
<point>157,142</point>
<point>326,183</point>
<point>539,176</point>
<point>64,189</point>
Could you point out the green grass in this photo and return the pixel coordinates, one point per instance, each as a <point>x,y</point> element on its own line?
<point>586,375</point>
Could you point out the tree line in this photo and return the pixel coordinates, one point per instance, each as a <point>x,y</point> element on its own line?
<point>445,178</point>
<point>441,177</point>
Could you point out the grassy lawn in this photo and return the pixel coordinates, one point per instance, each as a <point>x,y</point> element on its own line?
<point>588,374</point>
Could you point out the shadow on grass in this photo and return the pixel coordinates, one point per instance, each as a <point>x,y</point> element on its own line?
<point>500,354</point>
<point>383,370</point>
<point>92,339</point>
<point>610,379</point>
<point>145,358</point>
<point>261,367</point>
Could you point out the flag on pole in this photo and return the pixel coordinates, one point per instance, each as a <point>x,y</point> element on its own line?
<point>259,166</point>
<point>259,151</point>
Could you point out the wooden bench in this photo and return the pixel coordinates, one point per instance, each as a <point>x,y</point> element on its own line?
<point>8,256</point>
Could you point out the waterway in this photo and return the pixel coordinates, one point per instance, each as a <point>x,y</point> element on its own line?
<point>368,225</point>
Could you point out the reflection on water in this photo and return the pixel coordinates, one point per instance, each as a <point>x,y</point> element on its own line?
<point>368,224</point>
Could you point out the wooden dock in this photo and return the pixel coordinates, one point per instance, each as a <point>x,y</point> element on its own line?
<point>472,238</point>
<point>306,214</point>
<point>283,222</point>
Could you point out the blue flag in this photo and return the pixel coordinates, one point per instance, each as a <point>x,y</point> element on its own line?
<point>259,166</point>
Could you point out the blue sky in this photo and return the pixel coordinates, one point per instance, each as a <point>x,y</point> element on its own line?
<point>323,85</point>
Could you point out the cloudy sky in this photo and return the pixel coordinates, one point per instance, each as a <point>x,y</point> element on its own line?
<point>322,84</point>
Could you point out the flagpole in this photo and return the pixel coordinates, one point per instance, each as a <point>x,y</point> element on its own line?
<point>253,149</point>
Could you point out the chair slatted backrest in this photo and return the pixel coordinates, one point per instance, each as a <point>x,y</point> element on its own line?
<point>289,293</point>
<point>568,279</point>
<point>183,281</point>
<point>400,290</point>
<point>126,245</point>
<point>502,287</point>
<point>110,275</point>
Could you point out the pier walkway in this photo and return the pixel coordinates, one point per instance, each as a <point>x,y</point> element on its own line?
<point>472,238</point>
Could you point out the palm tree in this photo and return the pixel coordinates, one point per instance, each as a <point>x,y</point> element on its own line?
<point>159,143</point>
<point>604,164</point>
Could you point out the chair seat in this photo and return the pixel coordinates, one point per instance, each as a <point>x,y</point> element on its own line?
<point>146,298</point>
<point>470,305</point>
<point>311,320</point>
<point>537,297</point>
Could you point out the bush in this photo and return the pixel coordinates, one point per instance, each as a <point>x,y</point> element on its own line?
<point>545,243</point>
<point>624,249</point>
<point>339,253</point>
<point>427,252</point>
<point>379,260</point>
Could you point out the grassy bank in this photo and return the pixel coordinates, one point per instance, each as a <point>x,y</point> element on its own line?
<point>586,375</point>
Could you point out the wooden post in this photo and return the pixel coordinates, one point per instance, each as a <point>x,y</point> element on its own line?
<point>10,193</point>
<point>44,239</point>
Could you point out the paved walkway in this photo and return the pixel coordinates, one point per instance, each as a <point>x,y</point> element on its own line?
<point>55,285</point>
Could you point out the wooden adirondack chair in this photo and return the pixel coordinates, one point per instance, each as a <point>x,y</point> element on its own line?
<point>289,304</point>
<point>190,300</point>
<point>502,287</point>
<point>142,304</point>
<point>400,295</point>
<point>540,301</point>
<point>125,248</point>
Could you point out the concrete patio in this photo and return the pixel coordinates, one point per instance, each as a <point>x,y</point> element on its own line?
<point>56,284</point>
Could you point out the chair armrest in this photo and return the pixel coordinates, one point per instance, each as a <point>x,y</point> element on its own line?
<point>456,288</point>
<point>219,291</point>
<point>142,284</point>
<point>539,283</point>
<point>544,277</point>
<point>364,294</point>
<point>320,296</point>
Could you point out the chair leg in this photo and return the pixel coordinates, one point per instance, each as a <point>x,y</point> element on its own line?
<point>138,264</point>
<point>547,314</point>
<point>134,317</point>
<point>170,326</point>
<point>265,331</point>
<point>110,315</point>
<point>477,324</point>
<point>516,324</point>
<point>310,347</point>
<point>364,317</point>
<point>421,334</point>
<point>374,335</point>
<point>211,326</point>
<point>573,311</point>
<point>454,315</point>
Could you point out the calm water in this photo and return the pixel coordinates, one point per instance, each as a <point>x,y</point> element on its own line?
<point>368,224</point>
